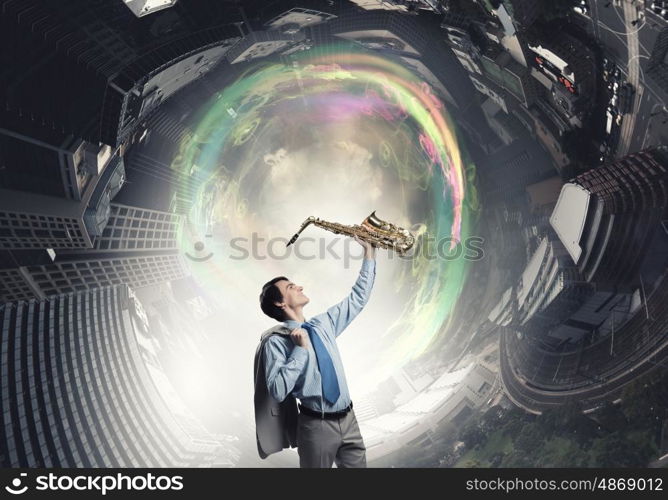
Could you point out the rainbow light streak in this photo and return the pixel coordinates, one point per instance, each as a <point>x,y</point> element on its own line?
<point>247,132</point>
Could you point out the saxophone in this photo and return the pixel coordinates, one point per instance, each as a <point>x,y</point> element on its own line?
<point>374,230</point>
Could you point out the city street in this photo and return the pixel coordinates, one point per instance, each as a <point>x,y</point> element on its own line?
<point>627,31</point>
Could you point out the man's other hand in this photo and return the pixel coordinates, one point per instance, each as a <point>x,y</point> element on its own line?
<point>300,337</point>
<point>369,249</point>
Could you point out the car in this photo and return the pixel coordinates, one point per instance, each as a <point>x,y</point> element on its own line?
<point>617,74</point>
<point>455,31</point>
<point>608,122</point>
<point>608,69</point>
<point>626,98</point>
<point>615,88</point>
<point>660,8</point>
<point>583,8</point>
<point>614,115</point>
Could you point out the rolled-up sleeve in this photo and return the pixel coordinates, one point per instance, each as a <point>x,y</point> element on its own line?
<point>282,368</point>
<point>340,315</point>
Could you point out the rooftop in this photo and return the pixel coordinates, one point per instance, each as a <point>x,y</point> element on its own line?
<point>569,216</point>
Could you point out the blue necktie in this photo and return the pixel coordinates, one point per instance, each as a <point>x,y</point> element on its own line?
<point>330,384</point>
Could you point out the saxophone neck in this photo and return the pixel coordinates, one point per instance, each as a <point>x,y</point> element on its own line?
<point>308,222</point>
<point>305,224</point>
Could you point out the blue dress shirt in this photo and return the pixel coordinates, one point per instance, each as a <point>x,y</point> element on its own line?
<point>292,369</point>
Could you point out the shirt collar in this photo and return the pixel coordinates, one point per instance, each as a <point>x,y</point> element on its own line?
<point>292,324</point>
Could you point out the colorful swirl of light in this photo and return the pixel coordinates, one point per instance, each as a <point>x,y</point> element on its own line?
<point>415,145</point>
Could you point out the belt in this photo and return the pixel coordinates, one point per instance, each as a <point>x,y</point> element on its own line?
<point>328,415</point>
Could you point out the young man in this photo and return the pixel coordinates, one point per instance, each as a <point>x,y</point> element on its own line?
<point>307,365</point>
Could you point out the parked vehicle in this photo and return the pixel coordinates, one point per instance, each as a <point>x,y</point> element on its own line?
<point>660,8</point>
<point>608,123</point>
<point>609,68</point>
<point>626,98</point>
<point>582,8</point>
<point>657,7</point>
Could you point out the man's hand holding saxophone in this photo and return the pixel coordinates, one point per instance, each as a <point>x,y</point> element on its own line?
<point>369,249</point>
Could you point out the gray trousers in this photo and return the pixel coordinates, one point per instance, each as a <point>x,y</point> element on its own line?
<point>323,442</point>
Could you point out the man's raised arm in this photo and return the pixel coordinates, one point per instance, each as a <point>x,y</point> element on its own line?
<point>340,315</point>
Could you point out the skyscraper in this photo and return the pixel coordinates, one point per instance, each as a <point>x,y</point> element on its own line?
<point>138,247</point>
<point>606,217</point>
<point>90,272</point>
<point>133,228</point>
<point>64,219</point>
<point>547,292</point>
<point>82,387</point>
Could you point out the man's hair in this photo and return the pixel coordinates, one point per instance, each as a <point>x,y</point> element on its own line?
<point>270,294</point>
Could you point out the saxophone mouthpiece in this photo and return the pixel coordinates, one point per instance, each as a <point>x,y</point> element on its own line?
<point>292,240</point>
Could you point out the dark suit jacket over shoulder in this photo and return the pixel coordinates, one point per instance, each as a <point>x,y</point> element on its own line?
<point>275,423</point>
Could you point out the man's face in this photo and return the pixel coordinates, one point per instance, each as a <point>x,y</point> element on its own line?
<point>293,295</point>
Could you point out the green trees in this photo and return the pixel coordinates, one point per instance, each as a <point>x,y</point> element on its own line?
<point>622,449</point>
<point>473,433</point>
<point>625,434</point>
<point>568,421</point>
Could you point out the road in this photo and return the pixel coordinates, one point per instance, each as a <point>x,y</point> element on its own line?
<point>632,76</point>
<point>630,46</point>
